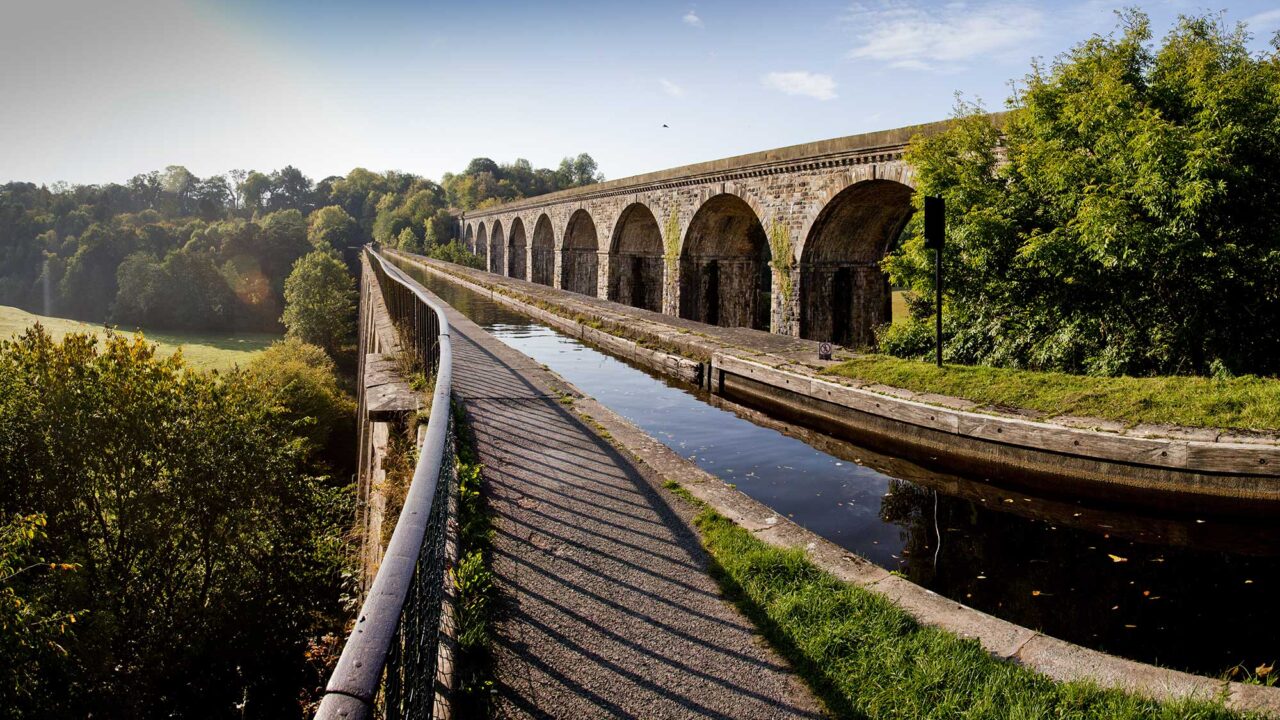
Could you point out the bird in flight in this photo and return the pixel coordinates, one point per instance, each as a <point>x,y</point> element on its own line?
<point>665,125</point>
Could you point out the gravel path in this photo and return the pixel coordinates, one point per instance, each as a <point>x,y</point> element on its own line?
<point>606,606</point>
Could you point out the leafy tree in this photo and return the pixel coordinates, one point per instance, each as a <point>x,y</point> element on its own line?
<point>283,241</point>
<point>33,631</point>
<point>438,228</point>
<point>331,228</point>
<point>206,555</point>
<point>290,190</point>
<point>302,381</point>
<point>320,301</point>
<point>1133,225</point>
<point>457,253</point>
<point>253,190</point>
<point>408,241</point>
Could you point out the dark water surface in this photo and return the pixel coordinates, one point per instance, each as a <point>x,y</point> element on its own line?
<point>1194,592</point>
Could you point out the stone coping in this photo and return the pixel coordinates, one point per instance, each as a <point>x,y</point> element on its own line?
<point>780,364</point>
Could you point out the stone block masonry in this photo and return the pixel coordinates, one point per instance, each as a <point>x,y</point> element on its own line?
<point>785,240</point>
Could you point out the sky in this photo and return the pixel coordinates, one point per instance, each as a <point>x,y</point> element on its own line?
<point>96,91</point>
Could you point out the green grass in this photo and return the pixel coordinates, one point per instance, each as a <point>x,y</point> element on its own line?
<point>901,313</point>
<point>207,351</point>
<point>867,658</point>
<point>1245,402</point>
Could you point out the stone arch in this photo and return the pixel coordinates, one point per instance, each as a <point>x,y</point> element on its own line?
<point>516,250</point>
<point>844,295</point>
<point>636,259</point>
<point>724,266</point>
<point>542,255</point>
<point>579,261</point>
<point>482,243</point>
<point>469,238</point>
<point>497,248</point>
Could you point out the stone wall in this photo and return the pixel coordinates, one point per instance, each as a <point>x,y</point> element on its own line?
<point>791,201</point>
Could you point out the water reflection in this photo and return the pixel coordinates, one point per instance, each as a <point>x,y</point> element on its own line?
<point>1187,592</point>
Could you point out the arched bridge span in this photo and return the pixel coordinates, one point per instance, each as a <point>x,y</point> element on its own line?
<point>787,240</point>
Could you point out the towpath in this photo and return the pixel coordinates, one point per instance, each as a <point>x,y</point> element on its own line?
<point>606,606</point>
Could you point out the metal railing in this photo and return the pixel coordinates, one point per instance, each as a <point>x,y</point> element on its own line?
<point>388,665</point>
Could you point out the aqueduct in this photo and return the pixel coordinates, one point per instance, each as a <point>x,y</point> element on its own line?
<point>787,240</point>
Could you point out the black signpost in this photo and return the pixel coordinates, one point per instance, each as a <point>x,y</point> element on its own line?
<point>935,230</point>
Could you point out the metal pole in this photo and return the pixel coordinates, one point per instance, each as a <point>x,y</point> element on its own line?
<point>937,302</point>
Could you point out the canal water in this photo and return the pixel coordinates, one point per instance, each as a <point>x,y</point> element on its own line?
<point>1192,592</point>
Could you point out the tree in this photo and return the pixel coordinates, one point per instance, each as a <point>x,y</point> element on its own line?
<point>290,189</point>
<point>302,380</point>
<point>1134,225</point>
<point>253,190</point>
<point>206,555</point>
<point>319,300</point>
<point>408,241</point>
<point>33,632</point>
<point>579,171</point>
<point>331,228</point>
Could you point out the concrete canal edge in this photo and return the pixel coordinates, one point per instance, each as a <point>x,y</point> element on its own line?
<point>1057,659</point>
<point>1146,466</point>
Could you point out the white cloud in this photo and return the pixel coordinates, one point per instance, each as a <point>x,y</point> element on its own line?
<point>692,20</point>
<point>671,88</point>
<point>906,34</point>
<point>1266,20</point>
<point>800,82</point>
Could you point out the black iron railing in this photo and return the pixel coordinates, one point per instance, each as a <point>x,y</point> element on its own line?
<point>388,667</point>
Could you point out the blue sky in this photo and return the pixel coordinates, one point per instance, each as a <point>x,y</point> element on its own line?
<point>98,91</point>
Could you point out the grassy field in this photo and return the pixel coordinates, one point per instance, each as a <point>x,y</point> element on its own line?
<point>1245,402</point>
<point>209,351</point>
<point>900,310</point>
<point>867,658</point>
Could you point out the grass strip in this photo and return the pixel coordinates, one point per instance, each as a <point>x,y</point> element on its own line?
<point>867,658</point>
<point>472,579</point>
<point>1246,402</point>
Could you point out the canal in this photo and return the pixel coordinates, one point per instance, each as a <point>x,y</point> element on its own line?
<point>1188,591</point>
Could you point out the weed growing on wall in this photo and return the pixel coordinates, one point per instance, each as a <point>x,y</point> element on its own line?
<point>780,255</point>
<point>473,579</point>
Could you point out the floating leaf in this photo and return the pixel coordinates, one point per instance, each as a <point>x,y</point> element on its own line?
<point>1117,558</point>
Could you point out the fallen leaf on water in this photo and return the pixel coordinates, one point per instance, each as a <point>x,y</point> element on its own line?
<point>1131,626</point>
<point>1146,593</point>
<point>1117,558</point>
<point>1035,593</point>
<point>982,577</point>
<point>1248,582</point>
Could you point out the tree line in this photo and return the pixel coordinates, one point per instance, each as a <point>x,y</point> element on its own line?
<point>170,250</point>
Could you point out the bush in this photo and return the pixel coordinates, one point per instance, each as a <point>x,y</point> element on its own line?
<point>301,380</point>
<point>456,253</point>
<point>207,556</point>
<point>1133,226</point>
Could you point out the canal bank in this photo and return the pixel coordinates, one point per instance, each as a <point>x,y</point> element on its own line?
<point>1148,466</point>
<point>1038,650</point>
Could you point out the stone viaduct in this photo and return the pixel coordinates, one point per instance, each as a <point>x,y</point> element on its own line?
<point>786,240</point>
